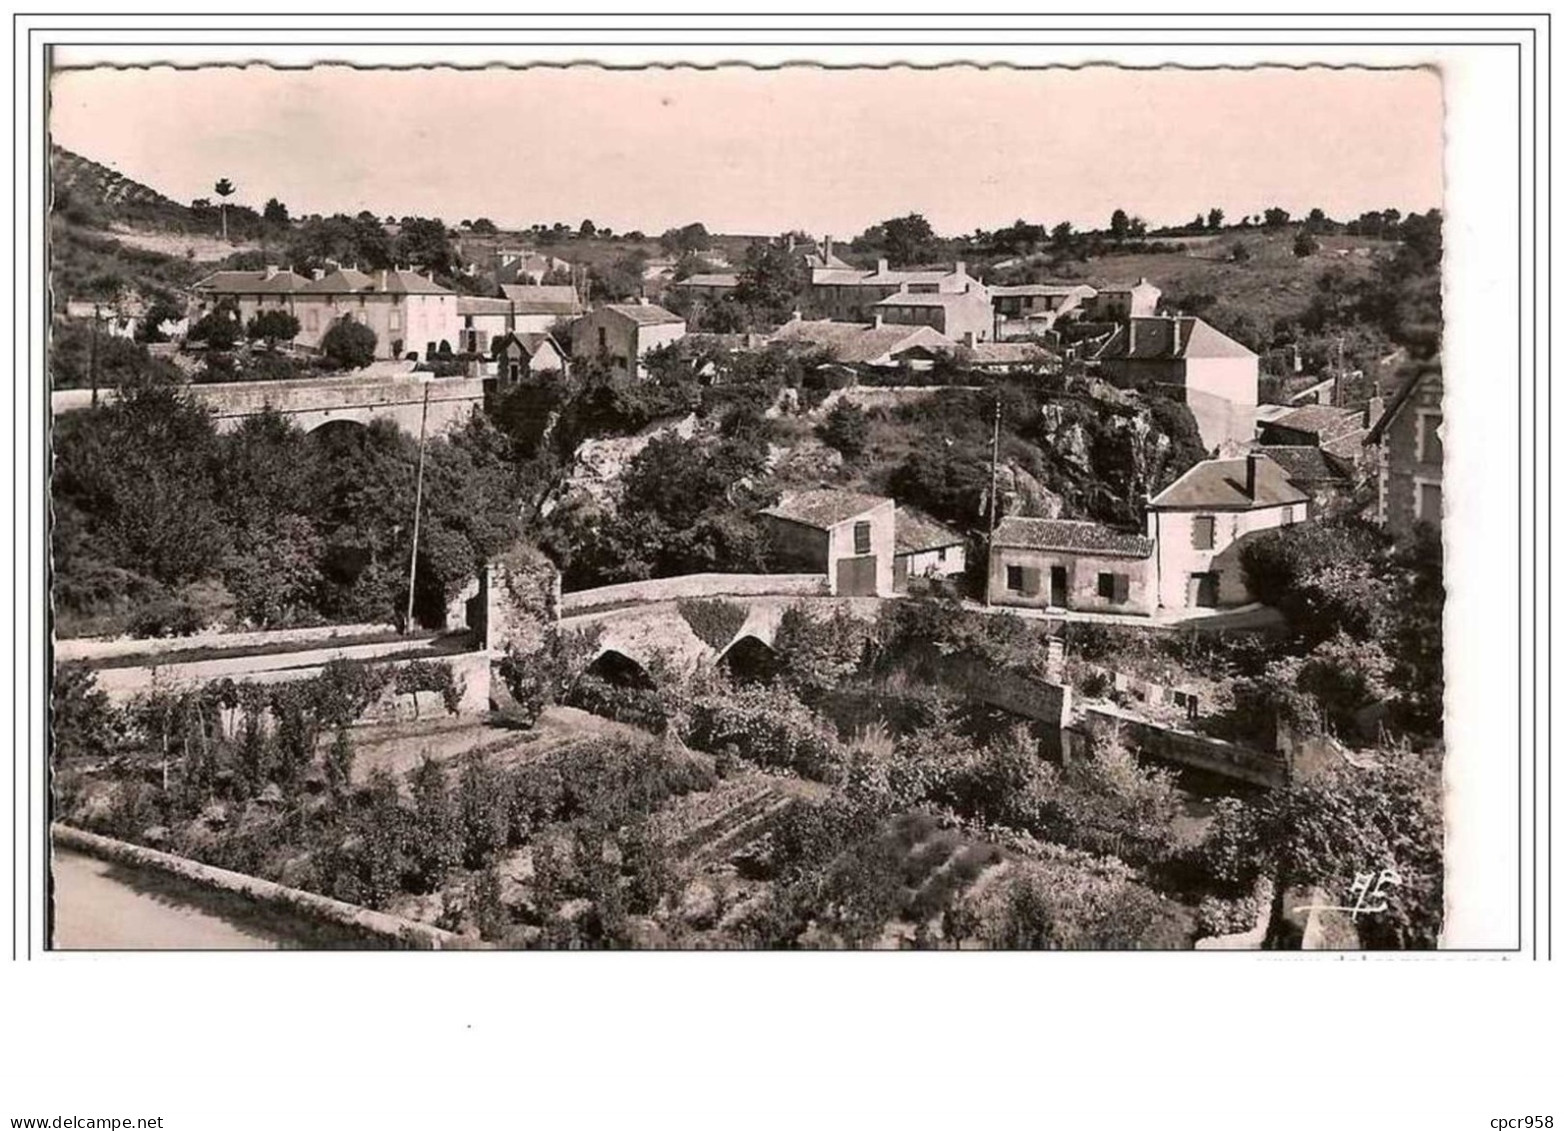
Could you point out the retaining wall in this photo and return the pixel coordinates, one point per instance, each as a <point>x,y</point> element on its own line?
<point>376,924</point>
<point>108,648</point>
<point>1258,767</point>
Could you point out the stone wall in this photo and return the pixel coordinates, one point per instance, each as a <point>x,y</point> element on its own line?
<point>694,585</point>
<point>1258,767</point>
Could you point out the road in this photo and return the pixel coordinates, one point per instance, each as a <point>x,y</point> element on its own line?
<point>100,905</point>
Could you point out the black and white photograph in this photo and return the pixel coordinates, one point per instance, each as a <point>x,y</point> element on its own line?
<point>989,514</point>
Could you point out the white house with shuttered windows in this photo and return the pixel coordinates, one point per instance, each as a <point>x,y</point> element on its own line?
<point>1199,524</point>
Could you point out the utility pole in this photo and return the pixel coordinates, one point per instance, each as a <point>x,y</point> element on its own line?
<point>993,498</point>
<point>92,357</point>
<point>418,506</point>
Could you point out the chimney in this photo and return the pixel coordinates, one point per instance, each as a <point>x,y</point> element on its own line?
<point>828,251</point>
<point>796,316</point>
<point>1251,473</point>
<point>879,321</point>
<point>961,268</point>
<point>969,339</point>
<point>380,279</point>
<point>1175,322</point>
<point>1131,350</point>
<point>791,243</point>
<point>902,288</point>
<point>1373,411</point>
<point>881,266</point>
<point>317,274</point>
<point>642,300</point>
<point>271,270</point>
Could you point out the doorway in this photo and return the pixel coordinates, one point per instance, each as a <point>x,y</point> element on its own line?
<point>1058,587</point>
<point>1203,589</point>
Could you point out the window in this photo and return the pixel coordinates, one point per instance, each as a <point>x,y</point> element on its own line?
<point>1289,516</point>
<point>1430,445</point>
<point>1428,501</point>
<point>1013,578</point>
<point>861,541</point>
<point>942,553</point>
<point>1114,587</point>
<point>602,337</point>
<point>1205,532</point>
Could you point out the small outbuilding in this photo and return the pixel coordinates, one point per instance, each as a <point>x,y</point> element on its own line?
<point>850,537</point>
<point>1053,563</point>
<point>926,550</point>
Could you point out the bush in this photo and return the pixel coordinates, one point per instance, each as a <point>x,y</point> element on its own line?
<point>348,344</point>
<point>846,429</point>
<point>170,616</point>
<point>768,726</point>
<point>272,326</point>
<point>714,620</point>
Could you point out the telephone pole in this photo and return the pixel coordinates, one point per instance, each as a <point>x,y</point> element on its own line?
<point>993,496</point>
<point>418,506</point>
<point>92,357</point>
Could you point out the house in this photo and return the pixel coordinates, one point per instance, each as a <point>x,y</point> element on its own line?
<point>1116,303</point>
<point>925,550</point>
<point>868,343</point>
<point>624,333</point>
<point>408,312</point>
<point>849,294</point>
<point>535,309</point>
<point>519,354</point>
<point>964,316</point>
<point>849,537</point>
<point>710,287</point>
<point>1328,479</point>
<point>1200,522</point>
<point>1062,564</point>
<point>1002,357</point>
<point>1337,430</point>
<point>483,320</point>
<point>1218,378</point>
<point>1409,439</point>
<point>525,267</point>
<point>1033,308</point>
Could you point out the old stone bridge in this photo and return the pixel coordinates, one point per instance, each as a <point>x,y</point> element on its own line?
<point>317,401</point>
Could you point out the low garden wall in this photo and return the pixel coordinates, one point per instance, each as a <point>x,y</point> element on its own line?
<point>107,648</point>
<point>375,924</point>
<point>694,585</point>
<point>1258,767</point>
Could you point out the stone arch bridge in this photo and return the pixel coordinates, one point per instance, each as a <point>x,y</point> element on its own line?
<point>317,401</point>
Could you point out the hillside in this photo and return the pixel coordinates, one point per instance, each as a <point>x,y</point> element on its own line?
<point>95,194</point>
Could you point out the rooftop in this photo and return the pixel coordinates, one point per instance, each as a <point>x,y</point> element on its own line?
<point>825,507</point>
<point>1155,339</point>
<point>1043,289</point>
<point>861,343</point>
<point>1221,484</point>
<point>268,281</point>
<point>709,280</point>
<point>542,300</point>
<point>1070,535</point>
<point>1007,353</point>
<point>1320,420</point>
<point>922,298</point>
<point>642,314</point>
<point>916,531</point>
<point>475,304</point>
<point>1305,463</point>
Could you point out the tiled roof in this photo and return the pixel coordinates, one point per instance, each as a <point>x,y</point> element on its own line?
<point>1320,420</point>
<point>542,300</point>
<point>530,343</point>
<point>837,276</point>
<point>1072,536</point>
<point>1043,290</point>
<point>475,304</point>
<point>710,280</point>
<point>861,343</point>
<point>824,508</point>
<point>406,283</point>
<point>916,532</point>
<point>251,283</point>
<point>642,314</point>
<point>1126,288</point>
<point>341,280</point>
<point>1007,353</point>
<point>1304,463</point>
<point>1220,484</point>
<point>1154,340</point>
<point>920,298</point>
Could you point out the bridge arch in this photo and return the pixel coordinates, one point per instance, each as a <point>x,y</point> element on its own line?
<point>615,667</point>
<point>749,659</point>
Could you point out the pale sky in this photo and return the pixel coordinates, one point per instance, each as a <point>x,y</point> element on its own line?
<point>751,151</point>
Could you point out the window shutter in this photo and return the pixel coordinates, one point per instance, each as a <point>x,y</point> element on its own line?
<point>1205,532</point>
<point>1031,581</point>
<point>1121,588</point>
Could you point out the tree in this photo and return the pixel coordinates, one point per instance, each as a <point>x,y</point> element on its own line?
<point>275,212</point>
<point>1214,219</point>
<point>1119,225</point>
<point>1305,245</point>
<point>1276,217</point>
<point>348,344</point>
<point>82,721</point>
<point>1240,253</point>
<point>224,188</point>
<point>846,429</point>
<point>273,326</point>
<point>427,244</point>
<point>905,239</point>
<point>219,328</point>
<point>150,328</point>
<point>483,226</point>
<point>685,240</point>
<point>771,282</point>
<point>587,230</point>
